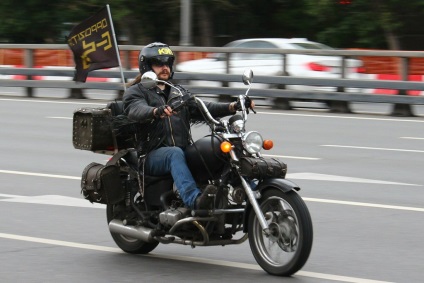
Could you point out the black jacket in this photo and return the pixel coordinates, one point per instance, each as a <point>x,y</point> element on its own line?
<point>139,103</point>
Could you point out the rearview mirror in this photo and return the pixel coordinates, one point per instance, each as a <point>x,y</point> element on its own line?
<point>149,79</point>
<point>248,77</point>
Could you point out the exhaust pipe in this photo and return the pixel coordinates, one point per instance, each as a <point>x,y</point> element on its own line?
<point>140,233</point>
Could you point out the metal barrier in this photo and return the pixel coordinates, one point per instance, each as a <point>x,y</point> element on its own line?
<point>338,101</point>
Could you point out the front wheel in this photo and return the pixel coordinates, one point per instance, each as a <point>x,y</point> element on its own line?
<point>128,244</point>
<point>287,247</point>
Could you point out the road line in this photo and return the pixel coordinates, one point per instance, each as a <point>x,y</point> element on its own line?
<point>40,174</point>
<point>299,176</point>
<point>59,200</point>
<point>67,118</point>
<point>412,138</point>
<point>335,178</point>
<point>51,101</point>
<point>364,204</point>
<point>292,157</point>
<point>265,113</point>
<point>343,117</point>
<point>183,258</point>
<point>9,196</point>
<point>374,148</point>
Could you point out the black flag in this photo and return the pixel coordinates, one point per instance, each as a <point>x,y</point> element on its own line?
<point>93,45</point>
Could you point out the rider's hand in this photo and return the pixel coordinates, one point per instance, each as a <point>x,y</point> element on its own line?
<point>248,103</point>
<point>162,111</point>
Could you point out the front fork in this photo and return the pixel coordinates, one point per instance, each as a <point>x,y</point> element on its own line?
<point>251,196</point>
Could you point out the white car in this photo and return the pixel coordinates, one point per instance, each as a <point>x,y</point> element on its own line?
<point>272,64</point>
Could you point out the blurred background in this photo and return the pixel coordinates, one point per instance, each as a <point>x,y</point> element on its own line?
<point>377,24</point>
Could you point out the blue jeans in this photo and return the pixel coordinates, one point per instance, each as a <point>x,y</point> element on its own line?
<point>172,160</point>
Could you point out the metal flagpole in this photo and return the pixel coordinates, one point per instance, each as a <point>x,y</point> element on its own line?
<point>116,46</point>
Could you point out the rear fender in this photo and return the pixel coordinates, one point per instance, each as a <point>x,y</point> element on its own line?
<point>283,185</point>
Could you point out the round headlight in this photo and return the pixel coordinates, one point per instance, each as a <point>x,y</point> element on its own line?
<point>252,142</point>
<point>236,123</point>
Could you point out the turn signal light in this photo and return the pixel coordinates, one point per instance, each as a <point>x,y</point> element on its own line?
<point>226,147</point>
<point>268,144</point>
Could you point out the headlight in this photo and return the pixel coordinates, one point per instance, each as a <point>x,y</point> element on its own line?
<point>252,142</point>
<point>236,123</point>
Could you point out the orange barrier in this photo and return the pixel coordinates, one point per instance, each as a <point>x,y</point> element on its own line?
<point>45,57</point>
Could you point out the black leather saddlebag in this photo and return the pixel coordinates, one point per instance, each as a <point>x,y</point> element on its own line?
<point>262,168</point>
<point>102,183</point>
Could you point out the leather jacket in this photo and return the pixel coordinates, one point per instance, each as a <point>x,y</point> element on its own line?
<point>154,132</point>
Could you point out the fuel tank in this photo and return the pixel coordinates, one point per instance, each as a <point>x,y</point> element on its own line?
<point>206,150</point>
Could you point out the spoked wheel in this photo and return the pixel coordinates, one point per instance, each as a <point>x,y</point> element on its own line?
<point>128,244</point>
<point>287,246</point>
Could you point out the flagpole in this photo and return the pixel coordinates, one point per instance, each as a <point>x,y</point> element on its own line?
<point>116,46</point>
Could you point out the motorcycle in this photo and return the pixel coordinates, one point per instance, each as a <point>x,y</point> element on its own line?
<point>252,199</point>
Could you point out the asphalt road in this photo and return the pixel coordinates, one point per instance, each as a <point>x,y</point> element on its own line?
<point>360,174</point>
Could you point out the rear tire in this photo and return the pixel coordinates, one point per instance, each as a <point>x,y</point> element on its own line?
<point>128,244</point>
<point>289,244</point>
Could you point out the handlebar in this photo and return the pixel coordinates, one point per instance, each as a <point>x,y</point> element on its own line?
<point>206,111</point>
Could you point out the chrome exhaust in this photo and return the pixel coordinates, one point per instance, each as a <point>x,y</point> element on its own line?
<point>140,233</point>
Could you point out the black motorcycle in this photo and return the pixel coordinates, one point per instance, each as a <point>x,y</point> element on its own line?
<point>252,199</point>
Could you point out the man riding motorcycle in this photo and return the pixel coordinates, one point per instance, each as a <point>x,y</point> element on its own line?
<point>165,132</point>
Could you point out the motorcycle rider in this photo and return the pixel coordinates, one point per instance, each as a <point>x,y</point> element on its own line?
<point>165,133</point>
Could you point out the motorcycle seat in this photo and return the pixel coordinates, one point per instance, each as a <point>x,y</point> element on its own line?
<point>131,159</point>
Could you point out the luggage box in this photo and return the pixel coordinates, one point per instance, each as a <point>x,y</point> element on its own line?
<point>92,130</point>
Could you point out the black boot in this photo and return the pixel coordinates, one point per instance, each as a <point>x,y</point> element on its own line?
<point>205,200</point>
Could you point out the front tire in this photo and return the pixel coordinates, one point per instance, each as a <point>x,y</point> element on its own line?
<point>128,244</point>
<point>289,244</point>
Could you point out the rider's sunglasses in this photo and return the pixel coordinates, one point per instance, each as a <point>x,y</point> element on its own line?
<point>161,62</point>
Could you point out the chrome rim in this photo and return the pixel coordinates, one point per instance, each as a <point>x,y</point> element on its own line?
<point>280,246</point>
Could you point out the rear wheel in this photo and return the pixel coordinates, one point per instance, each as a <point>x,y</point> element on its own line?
<point>128,244</point>
<point>287,247</point>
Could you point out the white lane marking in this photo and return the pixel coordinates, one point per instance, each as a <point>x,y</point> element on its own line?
<point>54,200</point>
<point>299,176</point>
<point>412,138</point>
<point>183,258</point>
<point>266,113</point>
<point>305,115</point>
<point>67,118</point>
<point>343,117</point>
<point>39,174</point>
<point>374,148</point>
<point>365,204</point>
<point>9,196</point>
<point>335,178</point>
<point>80,202</point>
<point>291,157</point>
<point>51,101</point>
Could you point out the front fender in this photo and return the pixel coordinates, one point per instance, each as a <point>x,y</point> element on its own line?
<point>282,184</point>
<point>278,183</point>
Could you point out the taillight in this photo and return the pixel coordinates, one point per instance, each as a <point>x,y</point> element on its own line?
<point>360,70</point>
<point>318,67</point>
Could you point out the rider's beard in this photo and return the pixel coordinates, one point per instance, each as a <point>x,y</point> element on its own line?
<point>164,75</point>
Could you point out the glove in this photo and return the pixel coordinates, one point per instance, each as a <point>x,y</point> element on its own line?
<point>247,104</point>
<point>160,111</point>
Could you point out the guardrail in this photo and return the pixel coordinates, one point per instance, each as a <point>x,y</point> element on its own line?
<point>338,101</point>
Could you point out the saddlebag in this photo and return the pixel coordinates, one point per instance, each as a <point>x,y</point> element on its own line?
<point>262,168</point>
<point>102,183</point>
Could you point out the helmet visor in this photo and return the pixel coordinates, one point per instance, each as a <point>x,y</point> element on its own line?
<point>162,61</point>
